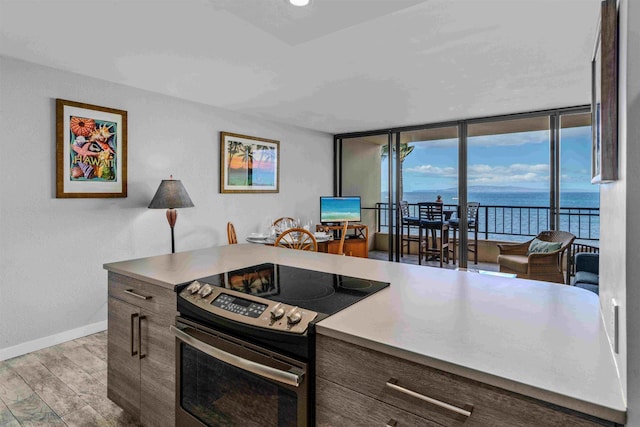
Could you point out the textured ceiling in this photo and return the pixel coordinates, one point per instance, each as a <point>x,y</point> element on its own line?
<point>336,66</point>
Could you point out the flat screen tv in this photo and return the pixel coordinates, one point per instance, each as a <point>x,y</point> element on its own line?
<point>340,209</point>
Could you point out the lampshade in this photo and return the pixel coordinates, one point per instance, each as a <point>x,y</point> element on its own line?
<point>171,195</point>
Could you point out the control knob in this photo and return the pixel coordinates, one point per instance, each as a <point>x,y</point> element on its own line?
<point>194,287</point>
<point>294,316</point>
<point>205,290</point>
<point>277,312</point>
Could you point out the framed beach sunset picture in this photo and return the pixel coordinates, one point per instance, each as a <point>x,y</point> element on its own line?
<point>249,164</point>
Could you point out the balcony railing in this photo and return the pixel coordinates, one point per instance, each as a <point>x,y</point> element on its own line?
<point>511,222</point>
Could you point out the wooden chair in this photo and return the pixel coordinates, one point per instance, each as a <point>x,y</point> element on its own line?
<point>514,258</point>
<point>231,234</point>
<point>472,222</point>
<point>343,236</point>
<point>410,222</point>
<point>297,238</point>
<point>277,222</point>
<point>431,217</point>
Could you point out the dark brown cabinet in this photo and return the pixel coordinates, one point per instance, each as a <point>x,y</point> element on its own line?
<point>141,350</point>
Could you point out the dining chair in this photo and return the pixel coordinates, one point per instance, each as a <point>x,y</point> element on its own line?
<point>472,225</point>
<point>432,219</point>
<point>297,238</point>
<point>279,222</point>
<point>343,236</point>
<point>231,234</point>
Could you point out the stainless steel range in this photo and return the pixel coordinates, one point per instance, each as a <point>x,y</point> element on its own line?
<point>245,352</point>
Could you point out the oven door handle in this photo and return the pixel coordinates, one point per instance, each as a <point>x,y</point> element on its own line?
<point>285,377</point>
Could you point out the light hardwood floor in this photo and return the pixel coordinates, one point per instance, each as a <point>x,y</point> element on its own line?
<point>63,385</point>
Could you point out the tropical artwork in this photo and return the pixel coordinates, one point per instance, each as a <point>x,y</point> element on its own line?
<point>91,150</point>
<point>248,164</point>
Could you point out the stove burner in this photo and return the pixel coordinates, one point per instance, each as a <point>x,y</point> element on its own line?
<point>355,283</point>
<point>310,292</point>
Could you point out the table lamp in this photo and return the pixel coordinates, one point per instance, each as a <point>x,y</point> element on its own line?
<point>171,195</point>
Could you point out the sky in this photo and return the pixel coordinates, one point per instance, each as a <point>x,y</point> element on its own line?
<point>515,160</point>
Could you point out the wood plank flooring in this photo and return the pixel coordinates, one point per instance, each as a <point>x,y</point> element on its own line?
<point>63,385</point>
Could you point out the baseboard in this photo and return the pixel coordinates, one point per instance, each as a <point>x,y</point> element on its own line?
<point>40,343</point>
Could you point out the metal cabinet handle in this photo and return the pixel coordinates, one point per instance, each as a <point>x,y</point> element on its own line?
<point>134,294</point>
<point>285,377</point>
<point>140,319</point>
<point>133,316</point>
<point>393,383</point>
<point>392,423</point>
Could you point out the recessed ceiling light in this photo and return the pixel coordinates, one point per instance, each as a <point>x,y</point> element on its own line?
<point>299,2</point>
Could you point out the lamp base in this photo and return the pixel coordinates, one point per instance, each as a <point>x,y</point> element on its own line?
<point>172,217</point>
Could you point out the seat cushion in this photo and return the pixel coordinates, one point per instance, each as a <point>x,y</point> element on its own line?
<point>538,246</point>
<point>589,287</point>
<point>518,263</point>
<point>430,224</point>
<point>586,277</point>
<point>455,222</point>
<point>410,219</point>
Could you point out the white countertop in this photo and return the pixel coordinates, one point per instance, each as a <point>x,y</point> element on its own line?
<point>539,339</point>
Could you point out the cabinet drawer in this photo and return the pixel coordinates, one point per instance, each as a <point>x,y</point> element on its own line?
<point>368,372</point>
<point>143,294</point>
<point>339,406</point>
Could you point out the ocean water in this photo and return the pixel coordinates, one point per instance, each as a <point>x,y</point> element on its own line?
<point>506,215</point>
<point>577,199</point>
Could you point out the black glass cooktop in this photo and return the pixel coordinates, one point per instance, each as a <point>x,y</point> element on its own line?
<point>325,293</point>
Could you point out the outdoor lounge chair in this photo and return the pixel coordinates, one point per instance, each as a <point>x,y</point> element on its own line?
<point>538,259</point>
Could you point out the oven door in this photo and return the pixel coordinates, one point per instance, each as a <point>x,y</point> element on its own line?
<point>223,381</point>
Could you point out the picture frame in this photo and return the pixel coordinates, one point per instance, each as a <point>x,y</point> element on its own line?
<point>604,97</point>
<point>91,151</point>
<point>249,164</point>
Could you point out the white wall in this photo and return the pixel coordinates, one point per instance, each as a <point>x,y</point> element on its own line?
<point>52,250</point>
<point>619,210</point>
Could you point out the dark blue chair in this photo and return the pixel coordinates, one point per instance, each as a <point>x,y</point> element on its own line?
<point>432,220</point>
<point>587,271</point>
<point>472,226</point>
<point>408,222</point>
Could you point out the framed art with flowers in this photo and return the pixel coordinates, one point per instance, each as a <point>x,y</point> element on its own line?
<point>91,151</point>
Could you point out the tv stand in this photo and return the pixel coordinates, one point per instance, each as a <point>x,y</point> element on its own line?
<point>355,244</point>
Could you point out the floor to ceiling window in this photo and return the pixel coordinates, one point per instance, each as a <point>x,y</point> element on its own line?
<point>529,172</point>
<point>508,174</point>
<point>579,199</point>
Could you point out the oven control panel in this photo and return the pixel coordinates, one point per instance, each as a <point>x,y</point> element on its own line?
<point>240,306</point>
<point>248,309</point>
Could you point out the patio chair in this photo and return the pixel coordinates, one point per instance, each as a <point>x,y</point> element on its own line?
<point>410,222</point>
<point>538,259</point>
<point>432,219</point>
<point>472,225</point>
<point>574,250</point>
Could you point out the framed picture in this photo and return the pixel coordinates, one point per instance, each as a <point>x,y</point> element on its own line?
<point>91,151</point>
<point>249,164</point>
<point>604,97</point>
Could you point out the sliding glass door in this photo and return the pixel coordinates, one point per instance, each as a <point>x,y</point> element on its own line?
<point>527,172</point>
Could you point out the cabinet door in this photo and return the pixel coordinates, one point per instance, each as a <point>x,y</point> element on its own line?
<point>123,372</point>
<point>157,367</point>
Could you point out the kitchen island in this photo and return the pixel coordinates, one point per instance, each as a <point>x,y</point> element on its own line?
<point>543,341</point>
